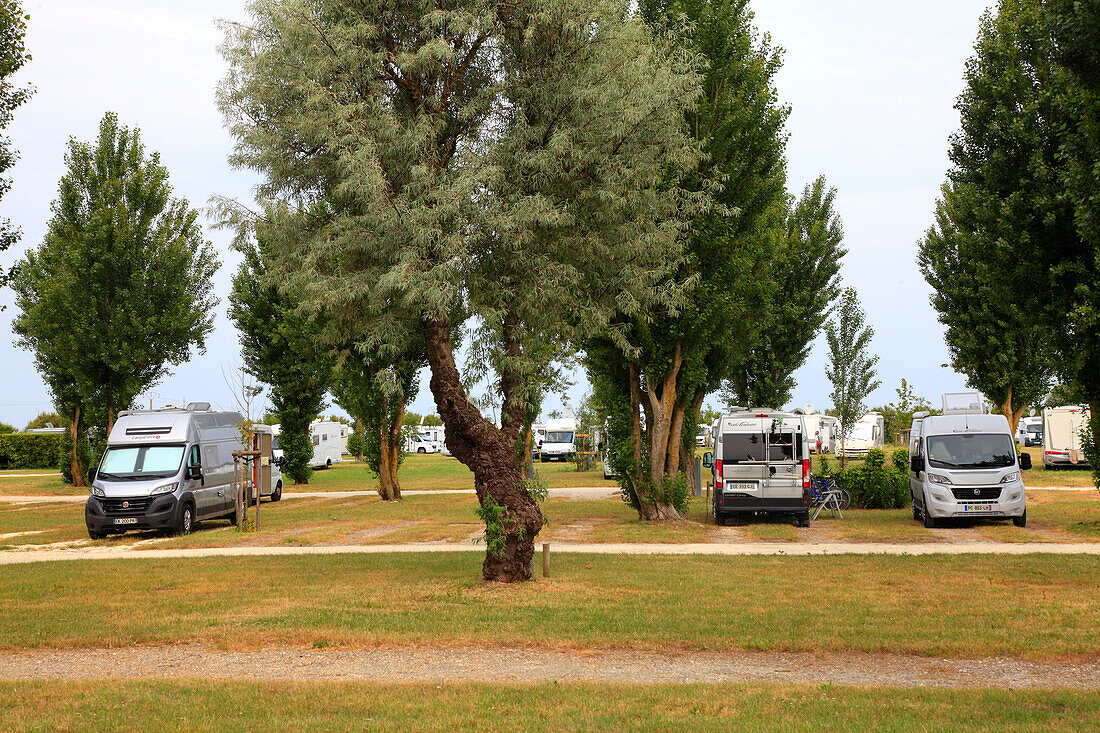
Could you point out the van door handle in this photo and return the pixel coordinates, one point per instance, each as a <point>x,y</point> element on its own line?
<point>771,469</point>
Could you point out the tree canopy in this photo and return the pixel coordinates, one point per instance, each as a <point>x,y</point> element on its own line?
<point>13,55</point>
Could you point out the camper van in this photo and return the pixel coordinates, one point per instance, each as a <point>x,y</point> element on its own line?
<point>866,434</point>
<point>326,440</point>
<point>820,429</point>
<point>417,442</point>
<point>166,469</point>
<point>1029,431</point>
<point>963,464</point>
<point>761,464</point>
<point>558,443</point>
<point>1062,435</point>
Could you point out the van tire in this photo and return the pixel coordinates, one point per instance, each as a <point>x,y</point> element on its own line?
<point>96,535</point>
<point>804,520</point>
<point>421,450</point>
<point>929,520</point>
<point>1020,521</point>
<point>328,463</point>
<point>187,519</point>
<point>916,512</point>
<point>278,492</point>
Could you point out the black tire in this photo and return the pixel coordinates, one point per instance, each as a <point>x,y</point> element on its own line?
<point>916,512</point>
<point>278,492</point>
<point>187,520</point>
<point>232,517</point>
<point>543,459</point>
<point>96,535</point>
<point>929,520</point>
<point>1020,521</point>
<point>421,450</point>
<point>328,463</point>
<point>804,520</point>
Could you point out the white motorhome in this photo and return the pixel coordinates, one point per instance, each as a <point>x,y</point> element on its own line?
<point>418,442</point>
<point>761,464</point>
<point>867,433</point>
<point>963,464</point>
<point>821,429</point>
<point>558,443</point>
<point>1029,431</point>
<point>166,470</point>
<point>325,437</point>
<point>1062,435</point>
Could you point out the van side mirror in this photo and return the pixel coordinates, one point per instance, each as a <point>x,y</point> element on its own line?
<point>1025,461</point>
<point>708,459</point>
<point>194,472</point>
<point>92,473</point>
<point>916,464</point>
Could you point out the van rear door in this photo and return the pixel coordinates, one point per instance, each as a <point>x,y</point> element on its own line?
<point>744,458</point>
<point>784,461</point>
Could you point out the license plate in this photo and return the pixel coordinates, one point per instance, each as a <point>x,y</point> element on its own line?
<point>741,487</point>
<point>126,520</point>
<point>977,507</point>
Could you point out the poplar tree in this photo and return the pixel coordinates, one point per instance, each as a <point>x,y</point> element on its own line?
<point>851,367</point>
<point>1002,212</point>
<point>119,289</point>
<point>503,159</point>
<point>13,55</point>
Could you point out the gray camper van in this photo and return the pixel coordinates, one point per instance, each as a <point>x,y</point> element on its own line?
<point>166,469</point>
<point>761,464</point>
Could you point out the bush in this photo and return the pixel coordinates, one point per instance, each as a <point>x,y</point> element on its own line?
<point>29,450</point>
<point>874,485</point>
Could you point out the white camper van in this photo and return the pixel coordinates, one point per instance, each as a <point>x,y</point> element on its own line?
<point>866,434</point>
<point>558,443</point>
<point>963,464</point>
<point>1029,431</point>
<point>1062,435</point>
<point>761,464</point>
<point>325,436</point>
<point>417,442</point>
<point>166,469</point>
<point>821,429</point>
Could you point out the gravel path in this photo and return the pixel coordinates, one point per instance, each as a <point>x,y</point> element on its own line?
<point>509,665</point>
<point>571,492</point>
<point>20,557</point>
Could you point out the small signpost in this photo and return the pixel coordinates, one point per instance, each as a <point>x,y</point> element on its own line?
<point>252,474</point>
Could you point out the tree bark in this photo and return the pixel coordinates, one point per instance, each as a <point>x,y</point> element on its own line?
<point>663,436</point>
<point>76,468</point>
<point>491,453</point>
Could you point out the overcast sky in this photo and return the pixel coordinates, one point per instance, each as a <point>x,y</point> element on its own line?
<point>872,85</point>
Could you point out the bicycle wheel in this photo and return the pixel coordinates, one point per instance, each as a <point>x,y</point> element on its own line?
<point>845,500</point>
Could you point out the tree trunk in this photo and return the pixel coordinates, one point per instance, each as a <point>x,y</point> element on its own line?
<point>76,468</point>
<point>394,455</point>
<point>663,439</point>
<point>513,519</point>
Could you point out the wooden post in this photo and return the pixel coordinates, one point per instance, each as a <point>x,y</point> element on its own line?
<point>546,559</point>
<point>237,490</point>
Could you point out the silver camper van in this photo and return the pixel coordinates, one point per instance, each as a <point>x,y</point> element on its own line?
<point>165,470</point>
<point>761,464</point>
<point>963,464</point>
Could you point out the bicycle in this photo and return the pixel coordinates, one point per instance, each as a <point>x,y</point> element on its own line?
<point>825,494</point>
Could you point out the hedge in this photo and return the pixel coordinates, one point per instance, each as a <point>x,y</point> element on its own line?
<point>29,450</point>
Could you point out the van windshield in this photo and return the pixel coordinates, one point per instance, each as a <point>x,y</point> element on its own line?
<point>559,436</point>
<point>135,463</point>
<point>978,450</point>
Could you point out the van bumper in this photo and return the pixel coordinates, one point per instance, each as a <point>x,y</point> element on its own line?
<point>162,512</point>
<point>747,503</point>
<point>1011,503</point>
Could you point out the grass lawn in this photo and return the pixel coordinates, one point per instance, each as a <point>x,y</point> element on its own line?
<point>1032,606</point>
<point>233,706</point>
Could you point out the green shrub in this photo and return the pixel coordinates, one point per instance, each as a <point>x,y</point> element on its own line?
<point>900,458</point>
<point>874,485</point>
<point>29,450</point>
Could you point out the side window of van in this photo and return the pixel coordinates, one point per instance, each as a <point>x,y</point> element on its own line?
<point>194,459</point>
<point>316,440</point>
<point>211,456</point>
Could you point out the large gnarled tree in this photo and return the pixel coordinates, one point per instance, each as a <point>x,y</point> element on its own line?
<point>505,157</point>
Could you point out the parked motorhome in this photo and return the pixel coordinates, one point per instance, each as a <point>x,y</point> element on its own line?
<point>1029,431</point>
<point>165,469</point>
<point>417,442</point>
<point>821,430</point>
<point>558,443</point>
<point>325,437</point>
<point>761,464</point>
<point>1062,435</point>
<point>867,433</point>
<point>964,464</point>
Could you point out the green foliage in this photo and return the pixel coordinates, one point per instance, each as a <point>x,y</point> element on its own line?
<point>44,418</point>
<point>5,428</point>
<point>280,347</point>
<point>83,453</point>
<point>537,487</point>
<point>1091,449</point>
<point>874,485</point>
<point>13,55</point>
<point>121,286</point>
<point>22,450</point>
<point>898,416</point>
<point>495,537</point>
<point>900,459</point>
<point>431,420</point>
<point>851,369</point>
<point>1001,205</point>
<point>357,446</point>
<point>674,490</point>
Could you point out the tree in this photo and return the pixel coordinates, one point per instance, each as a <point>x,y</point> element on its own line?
<point>375,392</point>
<point>280,347</point>
<point>898,416</point>
<point>1002,203</point>
<point>1074,298</point>
<point>13,55</point>
<point>45,420</point>
<point>802,276</point>
<point>5,428</point>
<point>653,385</point>
<point>431,420</point>
<point>851,369</point>
<point>119,289</point>
<point>502,159</point>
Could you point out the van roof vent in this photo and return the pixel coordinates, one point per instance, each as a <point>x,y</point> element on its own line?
<point>198,407</point>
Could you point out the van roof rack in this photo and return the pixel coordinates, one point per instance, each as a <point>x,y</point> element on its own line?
<point>963,403</point>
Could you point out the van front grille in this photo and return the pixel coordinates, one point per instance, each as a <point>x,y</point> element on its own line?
<point>977,493</point>
<point>135,505</point>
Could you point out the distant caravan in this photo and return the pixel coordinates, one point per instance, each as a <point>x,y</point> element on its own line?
<point>866,434</point>
<point>1062,436</point>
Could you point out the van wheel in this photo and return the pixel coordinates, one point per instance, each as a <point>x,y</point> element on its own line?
<point>916,512</point>
<point>328,463</point>
<point>96,535</point>
<point>929,520</point>
<point>804,520</point>
<point>421,450</point>
<point>232,517</point>
<point>278,492</point>
<point>1020,521</point>
<point>187,520</point>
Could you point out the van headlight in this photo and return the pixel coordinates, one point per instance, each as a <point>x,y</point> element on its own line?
<point>937,479</point>
<point>98,491</point>
<point>164,489</point>
<point>1011,478</point>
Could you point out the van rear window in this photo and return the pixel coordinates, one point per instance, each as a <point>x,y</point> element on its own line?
<point>738,447</point>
